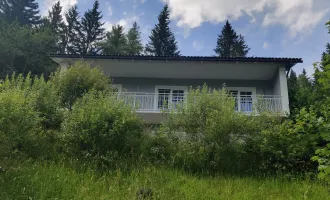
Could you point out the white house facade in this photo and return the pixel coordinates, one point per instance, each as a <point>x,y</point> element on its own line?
<point>151,84</point>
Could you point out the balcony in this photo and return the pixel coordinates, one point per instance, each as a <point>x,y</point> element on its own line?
<point>155,103</point>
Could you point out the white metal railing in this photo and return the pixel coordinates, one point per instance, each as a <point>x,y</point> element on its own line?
<point>151,102</point>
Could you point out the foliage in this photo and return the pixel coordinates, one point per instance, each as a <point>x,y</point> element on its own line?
<point>91,30</point>
<point>323,157</point>
<point>162,40</point>
<point>101,127</point>
<point>57,26</point>
<point>229,44</point>
<point>78,80</point>
<point>78,180</point>
<point>290,147</point>
<point>19,121</point>
<point>23,11</point>
<point>134,44</point>
<point>72,40</point>
<point>23,50</point>
<point>208,133</point>
<point>115,42</point>
<point>300,89</point>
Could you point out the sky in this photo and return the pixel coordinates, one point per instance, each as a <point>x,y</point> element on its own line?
<point>272,28</point>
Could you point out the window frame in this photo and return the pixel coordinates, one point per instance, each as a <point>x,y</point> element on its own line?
<point>253,90</point>
<point>119,87</point>
<point>171,88</point>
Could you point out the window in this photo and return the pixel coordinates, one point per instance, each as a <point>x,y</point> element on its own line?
<point>243,98</point>
<point>117,88</point>
<point>169,96</point>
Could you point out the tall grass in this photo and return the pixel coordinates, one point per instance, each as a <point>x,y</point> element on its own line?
<point>73,181</point>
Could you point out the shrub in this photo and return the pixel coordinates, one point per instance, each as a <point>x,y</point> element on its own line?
<point>78,80</point>
<point>208,134</point>
<point>19,122</point>
<point>322,154</point>
<point>292,146</point>
<point>102,127</point>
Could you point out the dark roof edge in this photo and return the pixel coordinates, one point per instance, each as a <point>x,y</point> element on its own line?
<point>289,62</point>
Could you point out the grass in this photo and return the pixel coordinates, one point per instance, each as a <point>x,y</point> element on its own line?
<point>61,181</point>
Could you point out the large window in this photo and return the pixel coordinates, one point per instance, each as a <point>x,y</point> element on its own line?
<point>243,98</point>
<point>170,96</point>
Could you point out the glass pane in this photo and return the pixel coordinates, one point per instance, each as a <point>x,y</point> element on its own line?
<point>246,101</point>
<point>163,97</point>
<point>177,97</point>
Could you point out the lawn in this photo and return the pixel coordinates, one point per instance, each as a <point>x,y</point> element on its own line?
<point>61,181</point>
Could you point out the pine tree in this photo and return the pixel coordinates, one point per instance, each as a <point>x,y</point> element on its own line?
<point>324,56</point>
<point>58,27</point>
<point>72,31</point>
<point>300,91</point>
<point>91,30</point>
<point>292,90</point>
<point>115,42</point>
<point>26,12</point>
<point>134,44</point>
<point>229,44</point>
<point>305,90</point>
<point>162,40</point>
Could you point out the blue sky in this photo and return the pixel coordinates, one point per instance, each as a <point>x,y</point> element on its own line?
<point>272,28</point>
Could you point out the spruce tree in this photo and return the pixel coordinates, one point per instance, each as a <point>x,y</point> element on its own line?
<point>292,90</point>
<point>134,44</point>
<point>26,12</point>
<point>91,30</point>
<point>58,27</point>
<point>72,31</point>
<point>325,61</point>
<point>229,44</point>
<point>162,40</point>
<point>115,42</point>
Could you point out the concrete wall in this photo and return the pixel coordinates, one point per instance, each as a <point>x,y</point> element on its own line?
<point>280,87</point>
<point>148,84</point>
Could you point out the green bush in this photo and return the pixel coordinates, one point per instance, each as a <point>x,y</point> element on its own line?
<point>322,154</point>
<point>78,80</point>
<point>19,122</point>
<point>208,134</point>
<point>102,127</point>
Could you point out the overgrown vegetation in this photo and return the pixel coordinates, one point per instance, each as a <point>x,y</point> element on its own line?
<point>76,116</point>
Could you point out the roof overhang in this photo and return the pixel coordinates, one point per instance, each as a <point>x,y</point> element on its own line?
<point>249,68</point>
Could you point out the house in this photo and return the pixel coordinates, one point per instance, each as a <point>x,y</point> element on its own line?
<point>152,83</point>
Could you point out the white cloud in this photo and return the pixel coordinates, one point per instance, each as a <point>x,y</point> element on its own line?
<point>143,1</point>
<point>66,4</point>
<point>108,26</point>
<point>298,16</point>
<point>265,45</point>
<point>198,45</point>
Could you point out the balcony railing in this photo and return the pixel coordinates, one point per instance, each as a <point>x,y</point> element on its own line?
<point>151,102</point>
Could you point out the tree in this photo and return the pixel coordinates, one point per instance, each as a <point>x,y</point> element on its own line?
<point>73,26</point>
<point>115,42</point>
<point>305,90</point>
<point>162,40</point>
<point>292,90</point>
<point>26,12</point>
<point>134,44</point>
<point>325,54</point>
<point>91,30</point>
<point>25,49</point>
<point>300,91</point>
<point>58,27</point>
<point>229,44</point>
